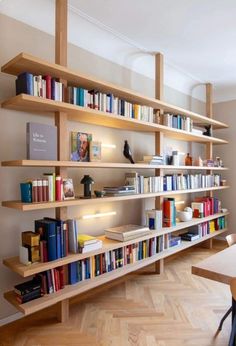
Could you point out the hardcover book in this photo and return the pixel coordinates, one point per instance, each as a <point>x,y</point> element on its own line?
<point>80,146</point>
<point>126,232</point>
<point>41,141</point>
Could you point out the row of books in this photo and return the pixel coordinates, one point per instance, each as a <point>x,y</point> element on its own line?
<point>171,182</point>
<point>205,206</point>
<point>108,103</point>
<point>48,189</point>
<point>55,279</point>
<point>178,122</point>
<point>41,86</point>
<point>205,228</point>
<point>48,87</point>
<point>53,239</point>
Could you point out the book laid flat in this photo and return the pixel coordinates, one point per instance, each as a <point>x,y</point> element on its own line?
<point>126,232</point>
<point>119,190</point>
<point>189,236</point>
<point>88,243</point>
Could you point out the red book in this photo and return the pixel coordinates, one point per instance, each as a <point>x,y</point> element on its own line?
<point>45,190</point>
<point>56,276</point>
<point>61,272</point>
<point>40,190</point>
<point>58,188</point>
<point>34,191</point>
<point>167,213</point>
<point>48,86</point>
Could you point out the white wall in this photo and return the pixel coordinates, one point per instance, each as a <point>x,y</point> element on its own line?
<point>16,37</point>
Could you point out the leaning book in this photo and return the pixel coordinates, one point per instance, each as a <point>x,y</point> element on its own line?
<point>126,232</point>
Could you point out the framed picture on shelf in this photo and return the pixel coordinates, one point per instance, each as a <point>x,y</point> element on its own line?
<point>68,189</point>
<point>80,146</point>
<point>95,151</point>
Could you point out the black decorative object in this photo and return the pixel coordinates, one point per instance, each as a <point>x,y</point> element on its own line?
<point>87,181</point>
<point>208,131</point>
<point>127,152</point>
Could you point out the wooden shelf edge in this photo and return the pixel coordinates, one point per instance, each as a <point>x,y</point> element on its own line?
<point>24,61</point>
<point>73,290</point>
<point>24,102</point>
<point>73,164</point>
<point>25,271</point>
<point>77,202</point>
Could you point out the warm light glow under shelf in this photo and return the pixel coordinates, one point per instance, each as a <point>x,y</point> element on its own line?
<point>94,216</point>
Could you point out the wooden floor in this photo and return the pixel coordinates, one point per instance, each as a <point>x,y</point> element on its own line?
<point>174,309</point>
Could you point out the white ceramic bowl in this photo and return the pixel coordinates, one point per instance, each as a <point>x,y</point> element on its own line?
<point>185,215</point>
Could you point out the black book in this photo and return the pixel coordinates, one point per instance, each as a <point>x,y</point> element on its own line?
<point>27,287</point>
<point>29,296</point>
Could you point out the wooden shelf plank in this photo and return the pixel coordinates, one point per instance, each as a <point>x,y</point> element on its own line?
<point>73,164</point>
<point>25,62</point>
<point>14,264</point>
<point>77,202</point>
<point>73,290</point>
<point>41,105</point>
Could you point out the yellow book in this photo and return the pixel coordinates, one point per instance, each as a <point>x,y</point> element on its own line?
<point>136,111</point>
<point>85,239</point>
<point>144,250</point>
<point>212,226</point>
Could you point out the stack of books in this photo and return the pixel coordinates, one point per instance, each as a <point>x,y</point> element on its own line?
<point>119,190</point>
<point>88,243</point>
<point>28,291</point>
<point>190,236</point>
<point>153,160</point>
<point>126,232</point>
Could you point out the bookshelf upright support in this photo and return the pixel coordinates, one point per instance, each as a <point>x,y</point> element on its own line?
<point>209,146</point>
<point>61,120</point>
<point>159,136</point>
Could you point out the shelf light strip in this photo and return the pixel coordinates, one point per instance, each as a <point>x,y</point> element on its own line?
<point>112,146</point>
<point>94,216</point>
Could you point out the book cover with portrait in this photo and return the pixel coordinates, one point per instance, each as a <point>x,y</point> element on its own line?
<point>80,146</point>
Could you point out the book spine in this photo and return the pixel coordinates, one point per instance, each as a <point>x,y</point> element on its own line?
<point>40,190</point>
<point>35,191</point>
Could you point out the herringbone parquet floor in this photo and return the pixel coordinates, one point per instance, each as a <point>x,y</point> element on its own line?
<point>174,309</point>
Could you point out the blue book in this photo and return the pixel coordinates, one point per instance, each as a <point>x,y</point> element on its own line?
<point>81,97</point>
<point>25,84</point>
<point>77,94</point>
<point>59,236</point>
<point>72,273</point>
<point>47,230</point>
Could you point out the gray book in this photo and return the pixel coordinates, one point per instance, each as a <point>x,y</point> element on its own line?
<point>41,141</point>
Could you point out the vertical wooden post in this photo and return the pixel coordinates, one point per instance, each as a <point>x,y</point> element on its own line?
<point>209,146</point>
<point>61,119</point>
<point>63,311</point>
<point>159,136</point>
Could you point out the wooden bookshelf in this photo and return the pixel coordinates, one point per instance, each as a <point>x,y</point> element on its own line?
<point>14,264</point>
<point>25,62</point>
<point>63,112</point>
<point>78,202</point>
<point>73,164</point>
<point>73,290</point>
<point>24,102</point>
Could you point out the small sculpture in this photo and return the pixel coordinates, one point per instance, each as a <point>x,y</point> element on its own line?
<point>87,181</point>
<point>127,152</point>
<point>208,131</point>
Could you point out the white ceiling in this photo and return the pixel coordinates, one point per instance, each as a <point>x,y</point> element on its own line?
<point>197,37</point>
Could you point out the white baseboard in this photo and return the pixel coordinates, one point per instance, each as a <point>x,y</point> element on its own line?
<point>11,318</point>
